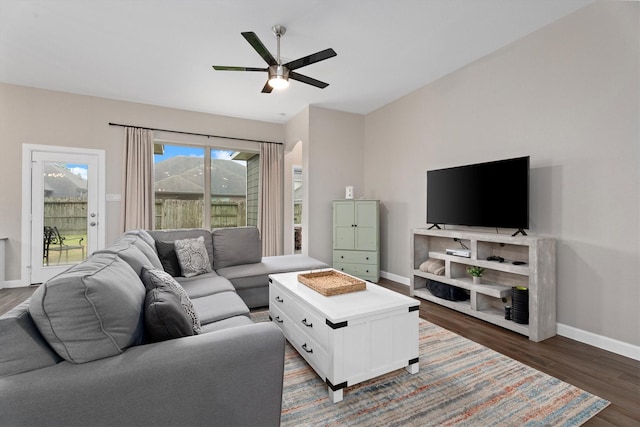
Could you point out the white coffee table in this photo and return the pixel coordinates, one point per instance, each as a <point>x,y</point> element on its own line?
<point>346,338</point>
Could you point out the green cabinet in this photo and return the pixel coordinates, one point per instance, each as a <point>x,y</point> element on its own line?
<point>356,238</point>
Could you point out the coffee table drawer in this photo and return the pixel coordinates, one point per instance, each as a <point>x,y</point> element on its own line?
<point>312,352</point>
<point>309,321</point>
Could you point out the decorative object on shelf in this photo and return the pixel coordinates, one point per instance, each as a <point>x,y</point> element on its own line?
<point>507,312</point>
<point>348,192</point>
<point>433,266</point>
<point>520,302</point>
<point>476,273</point>
<point>448,292</point>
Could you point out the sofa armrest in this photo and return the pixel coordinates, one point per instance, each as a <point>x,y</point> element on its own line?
<point>228,377</point>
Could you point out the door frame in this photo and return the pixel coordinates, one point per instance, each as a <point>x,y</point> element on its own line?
<point>27,150</point>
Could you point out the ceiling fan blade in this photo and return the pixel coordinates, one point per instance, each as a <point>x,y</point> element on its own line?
<point>225,68</point>
<point>255,42</point>
<point>311,59</point>
<point>267,88</point>
<point>307,80</point>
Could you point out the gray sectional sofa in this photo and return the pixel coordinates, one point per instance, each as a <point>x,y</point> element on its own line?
<point>97,345</point>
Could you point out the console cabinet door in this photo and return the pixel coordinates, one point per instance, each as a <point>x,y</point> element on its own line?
<point>366,221</point>
<point>343,225</point>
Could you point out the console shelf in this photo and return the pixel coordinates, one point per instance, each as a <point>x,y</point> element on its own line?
<point>487,300</point>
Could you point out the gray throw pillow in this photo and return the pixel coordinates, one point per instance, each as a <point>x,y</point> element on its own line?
<point>154,278</point>
<point>192,256</point>
<point>164,317</point>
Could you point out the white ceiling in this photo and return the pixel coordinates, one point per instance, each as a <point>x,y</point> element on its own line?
<point>160,52</point>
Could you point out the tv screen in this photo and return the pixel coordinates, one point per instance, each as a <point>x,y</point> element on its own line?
<point>492,194</point>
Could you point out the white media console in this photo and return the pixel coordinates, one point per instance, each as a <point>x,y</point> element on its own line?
<point>536,257</point>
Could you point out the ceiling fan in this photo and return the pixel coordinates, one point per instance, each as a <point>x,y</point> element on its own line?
<point>279,74</point>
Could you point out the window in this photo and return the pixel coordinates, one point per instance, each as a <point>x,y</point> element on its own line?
<point>184,174</point>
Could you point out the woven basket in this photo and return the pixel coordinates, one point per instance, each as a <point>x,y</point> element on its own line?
<point>332,282</point>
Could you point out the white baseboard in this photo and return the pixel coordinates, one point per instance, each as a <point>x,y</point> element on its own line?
<point>595,340</point>
<point>395,278</point>
<point>605,343</point>
<point>13,284</point>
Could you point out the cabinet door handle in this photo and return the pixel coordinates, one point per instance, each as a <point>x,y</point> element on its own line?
<point>308,350</point>
<point>278,299</point>
<point>307,324</point>
<point>279,320</point>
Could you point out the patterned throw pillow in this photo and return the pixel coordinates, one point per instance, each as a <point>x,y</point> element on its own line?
<point>154,278</point>
<point>192,256</point>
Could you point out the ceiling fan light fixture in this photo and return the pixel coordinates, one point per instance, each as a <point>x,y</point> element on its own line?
<point>278,77</point>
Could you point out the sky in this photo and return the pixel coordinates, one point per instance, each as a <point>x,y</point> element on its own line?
<point>176,150</point>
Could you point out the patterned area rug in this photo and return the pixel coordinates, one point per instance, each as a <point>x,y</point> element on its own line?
<point>460,383</point>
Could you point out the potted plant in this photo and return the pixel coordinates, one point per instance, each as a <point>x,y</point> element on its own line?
<point>476,273</point>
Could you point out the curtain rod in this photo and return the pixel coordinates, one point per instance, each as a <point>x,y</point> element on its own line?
<point>197,134</point>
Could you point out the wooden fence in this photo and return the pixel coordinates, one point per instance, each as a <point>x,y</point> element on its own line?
<point>172,213</point>
<point>70,215</point>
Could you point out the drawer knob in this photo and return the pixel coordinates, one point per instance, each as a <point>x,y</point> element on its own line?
<point>341,256</point>
<point>308,350</point>
<point>278,299</point>
<point>307,324</point>
<point>279,320</point>
<point>367,258</point>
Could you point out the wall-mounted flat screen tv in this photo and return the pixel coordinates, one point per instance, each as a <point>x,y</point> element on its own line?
<point>491,194</point>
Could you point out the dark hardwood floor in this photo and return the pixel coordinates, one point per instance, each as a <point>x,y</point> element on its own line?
<point>605,374</point>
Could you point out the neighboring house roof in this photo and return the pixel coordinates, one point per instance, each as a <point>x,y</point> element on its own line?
<point>184,174</point>
<point>61,182</point>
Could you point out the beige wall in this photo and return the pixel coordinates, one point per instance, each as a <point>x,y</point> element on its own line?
<point>568,96</point>
<point>332,159</point>
<point>37,116</point>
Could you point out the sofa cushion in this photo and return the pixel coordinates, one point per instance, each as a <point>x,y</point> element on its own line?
<point>142,234</point>
<point>236,246</point>
<point>204,284</point>
<point>192,256</point>
<point>168,257</point>
<point>231,322</point>
<point>129,252</point>
<point>22,348</point>
<point>185,233</point>
<point>92,310</point>
<point>223,305</point>
<point>255,275</point>
<point>164,317</point>
<point>155,278</point>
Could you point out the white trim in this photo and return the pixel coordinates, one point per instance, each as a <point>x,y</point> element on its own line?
<point>27,149</point>
<point>14,284</point>
<point>398,279</point>
<point>605,343</point>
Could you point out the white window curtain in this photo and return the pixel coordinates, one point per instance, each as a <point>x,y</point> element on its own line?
<point>270,214</point>
<point>137,202</point>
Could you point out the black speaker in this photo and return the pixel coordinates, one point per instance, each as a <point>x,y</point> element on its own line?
<point>520,304</point>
